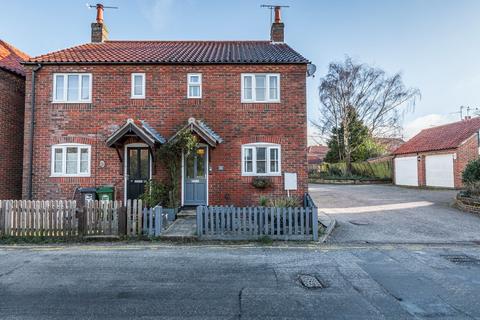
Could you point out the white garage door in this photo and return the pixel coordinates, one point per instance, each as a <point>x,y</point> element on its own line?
<point>439,170</point>
<point>406,171</point>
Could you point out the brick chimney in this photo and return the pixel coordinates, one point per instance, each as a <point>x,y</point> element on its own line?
<point>99,30</point>
<point>277,31</point>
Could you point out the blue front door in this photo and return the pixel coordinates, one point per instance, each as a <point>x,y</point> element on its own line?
<point>196,170</point>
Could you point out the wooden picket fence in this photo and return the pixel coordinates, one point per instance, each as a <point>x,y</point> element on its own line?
<point>101,217</point>
<point>249,223</point>
<point>62,218</point>
<point>24,218</point>
<point>144,221</point>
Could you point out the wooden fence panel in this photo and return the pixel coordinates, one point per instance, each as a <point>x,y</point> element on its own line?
<point>233,223</point>
<point>34,218</point>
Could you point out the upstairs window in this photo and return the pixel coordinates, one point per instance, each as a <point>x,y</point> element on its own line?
<point>194,85</point>
<point>138,85</point>
<point>261,87</point>
<point>261,159</point>
<point>72,87</point>
<point>71,160</point>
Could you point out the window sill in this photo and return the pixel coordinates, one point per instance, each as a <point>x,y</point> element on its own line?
<point>138,98</point>
<point>71,102</point>
<point>70,176</point>
<point>261,175</point>
<point>194,98</point>
<point>260,102</point>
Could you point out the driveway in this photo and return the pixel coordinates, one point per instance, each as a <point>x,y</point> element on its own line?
<point>391,214</point>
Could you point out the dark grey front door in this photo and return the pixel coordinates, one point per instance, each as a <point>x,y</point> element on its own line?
<point>196,170</point>
<point>138,171</point>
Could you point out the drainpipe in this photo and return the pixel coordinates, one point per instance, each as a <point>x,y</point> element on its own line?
<point>32,135</point>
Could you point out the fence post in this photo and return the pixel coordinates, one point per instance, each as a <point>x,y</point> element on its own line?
<point>158,220</point>
<point>122,221</point>
<point>81,216</point>
<point>315,223</point>
<point>199,221</point>
<point>2,217</point>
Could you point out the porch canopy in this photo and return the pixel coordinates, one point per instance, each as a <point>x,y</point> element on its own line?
<point>201,129</point>
<point>141,130</point>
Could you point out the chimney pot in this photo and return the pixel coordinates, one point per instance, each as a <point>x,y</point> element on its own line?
<point>99,30</point>
<point>277,14</point>
<point>277,30</point>
<point>99,13</point>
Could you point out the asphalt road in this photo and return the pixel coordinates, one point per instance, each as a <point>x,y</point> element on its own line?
<point>234,282</point>
<point>391,214</point>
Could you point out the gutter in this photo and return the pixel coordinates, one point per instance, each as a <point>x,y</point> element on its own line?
<point>32,133</point>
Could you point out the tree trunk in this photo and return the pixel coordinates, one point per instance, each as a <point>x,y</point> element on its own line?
<point>347,148</point>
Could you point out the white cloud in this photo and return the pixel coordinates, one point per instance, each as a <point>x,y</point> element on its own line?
<point>159,14</point>
<point>424,122</point>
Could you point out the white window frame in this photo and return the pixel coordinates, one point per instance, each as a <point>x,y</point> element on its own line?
<point>63,147</point>
<point>254,147</point>
<point>132,79</point>
<point>267,88</point>
<point>65,88</point>
<point>199,84</point>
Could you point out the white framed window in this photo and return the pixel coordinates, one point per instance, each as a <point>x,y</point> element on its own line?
<point>71,160</point>
<point>194,89</point>
<point>138,86</point>
<point>72,87</point>
<point>260,87</point>
<point>261,159</point>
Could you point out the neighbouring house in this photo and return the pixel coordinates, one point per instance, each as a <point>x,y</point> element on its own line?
<point>390,145</point>
<point>12,106</point>
<point>315,156</point>
<point>102,109</point>
<point>436,157</point>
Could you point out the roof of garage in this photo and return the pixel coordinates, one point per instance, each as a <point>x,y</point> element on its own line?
<point>448,136</point>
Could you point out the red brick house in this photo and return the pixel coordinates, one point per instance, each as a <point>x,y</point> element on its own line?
<point>12,104</point>
<point>436,157</point>
<point>102,109</point>
<point>315,156</point>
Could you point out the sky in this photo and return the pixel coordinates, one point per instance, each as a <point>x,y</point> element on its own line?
<point>434,44</point>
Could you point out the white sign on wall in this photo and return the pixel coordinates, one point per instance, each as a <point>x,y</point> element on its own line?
<point>290,181</point>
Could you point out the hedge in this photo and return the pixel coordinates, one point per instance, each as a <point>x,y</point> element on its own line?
<point>375,170</point>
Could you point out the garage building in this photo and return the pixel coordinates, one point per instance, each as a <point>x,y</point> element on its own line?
<point>436,157</point>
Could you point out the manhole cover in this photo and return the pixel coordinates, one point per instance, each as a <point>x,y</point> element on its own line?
<point>359,222</point>
<point>461,259</point>
<point>310,282</point>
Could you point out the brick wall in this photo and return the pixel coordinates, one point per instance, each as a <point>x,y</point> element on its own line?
<point>166,108</point>
<point>12,103</point>
<point>466,152</point>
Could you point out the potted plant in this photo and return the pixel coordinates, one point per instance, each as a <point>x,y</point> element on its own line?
<point>170,154</point>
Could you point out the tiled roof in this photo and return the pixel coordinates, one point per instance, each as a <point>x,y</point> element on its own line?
<point>390,144</point>
<point>444,137</point>
<point>11,57</point>
<point>316,154</point>
<point>173,52</point>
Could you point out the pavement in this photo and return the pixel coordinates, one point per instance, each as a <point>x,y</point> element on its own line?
<point>147,281</point>
<point>391,214</point>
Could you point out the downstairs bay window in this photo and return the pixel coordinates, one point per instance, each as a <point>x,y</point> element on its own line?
<point>261,159</point>
<point>71,160</point>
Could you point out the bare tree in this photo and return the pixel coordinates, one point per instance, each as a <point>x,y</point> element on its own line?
<point>378,100</point>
